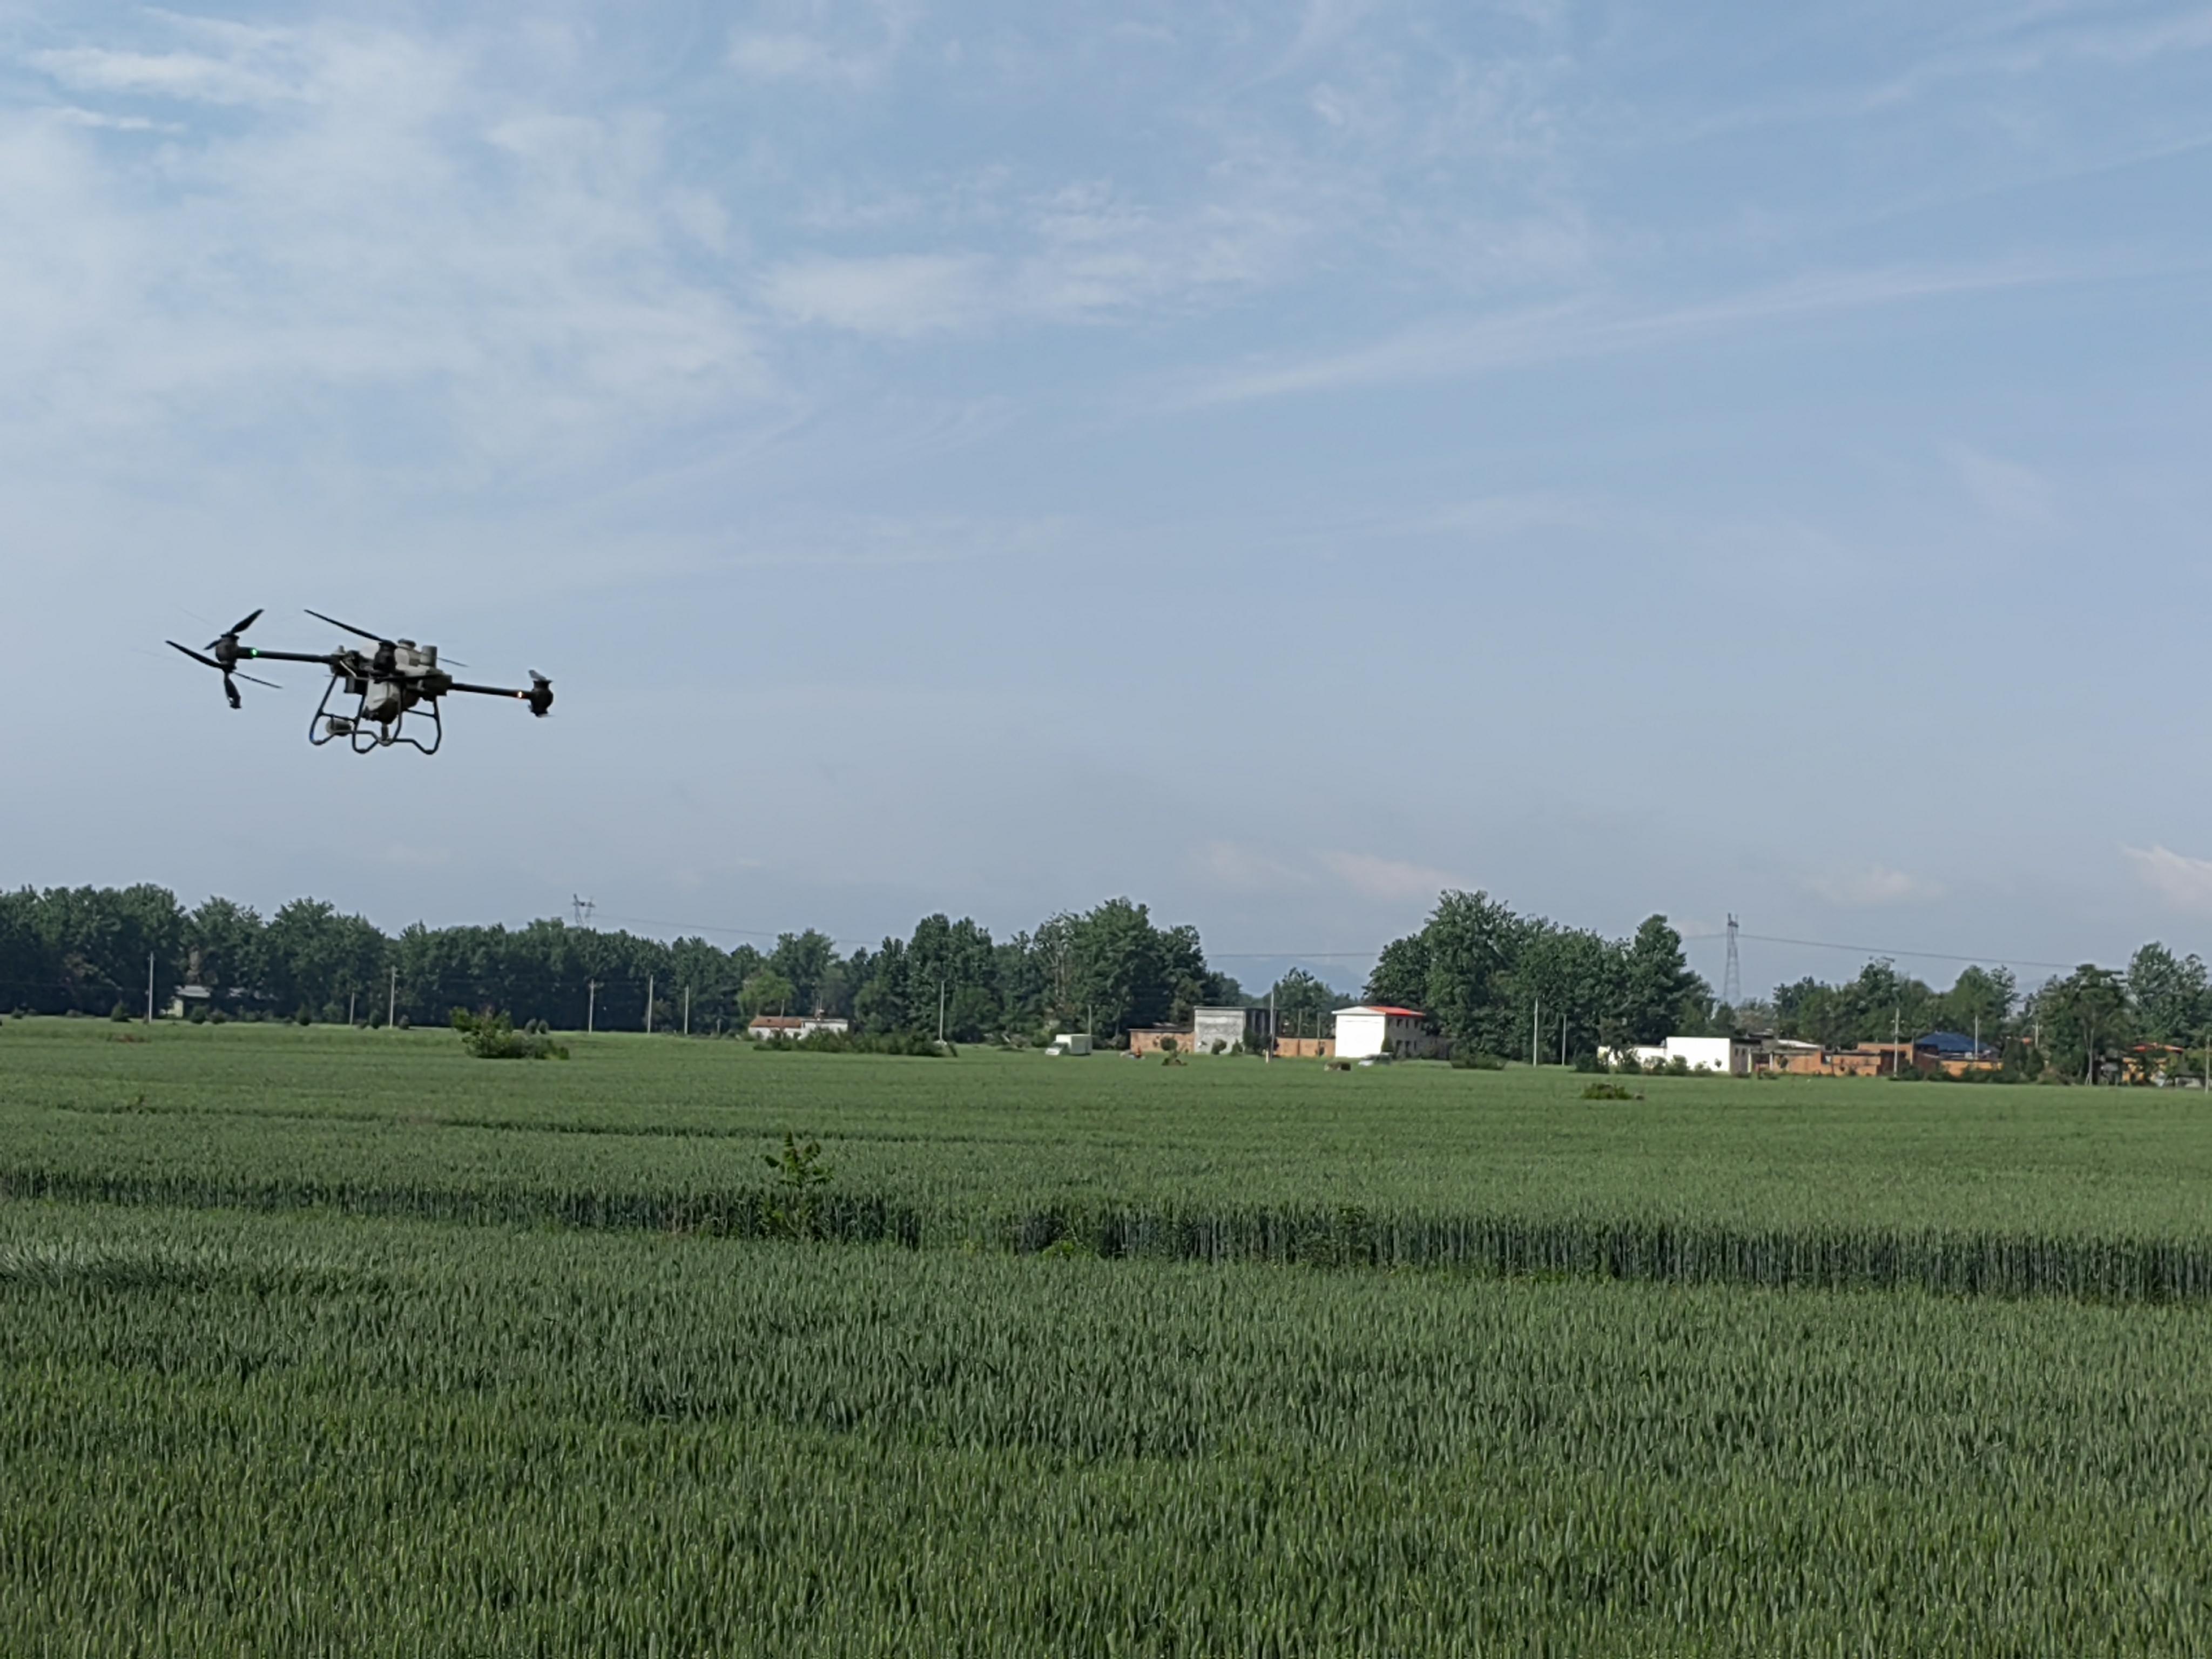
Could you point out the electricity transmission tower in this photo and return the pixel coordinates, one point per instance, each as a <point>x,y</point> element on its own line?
<point>584,908</point>
<point>1732,976</point>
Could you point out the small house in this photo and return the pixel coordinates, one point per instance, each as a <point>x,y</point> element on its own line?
<point>1369,1030</point>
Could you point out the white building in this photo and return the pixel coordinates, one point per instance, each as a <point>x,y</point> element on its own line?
<point>1364,1033</point>
<point>1730,1056</point>
<point>792,1027</point>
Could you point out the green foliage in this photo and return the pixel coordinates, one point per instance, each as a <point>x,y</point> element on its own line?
<point>493,1037</point>
<point>1303,1004</point>
<point>915,1045</point>
<point>1610,1091</point>
<point>2170,1001</point>
<point>2085,1021</point>
<point>1487,975</point>
<point>801,1177</point>
<point>1475,1059</point>
<point>765,991</point>
<point>119,1014</point>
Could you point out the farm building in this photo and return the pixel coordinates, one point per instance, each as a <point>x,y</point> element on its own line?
<point>1246,1028</point>
<point>1730,1056</point>
<point>1940,1051</point>
<point>186,998</point>
<point>792,1027</point>
<point>1366,1031</point>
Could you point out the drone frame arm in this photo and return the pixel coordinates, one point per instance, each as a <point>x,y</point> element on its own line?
<point>328,661</point>
<point>490,690</point>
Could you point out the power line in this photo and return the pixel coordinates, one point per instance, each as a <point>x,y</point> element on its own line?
<point>1872,951</point>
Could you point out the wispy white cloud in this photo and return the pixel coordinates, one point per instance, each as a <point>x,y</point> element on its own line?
<point>1872,886</point>
<point>2183,882</point>
<point>848,46</point>
<point>1392,880</point>
<point>378,216</point>
<point>2016,495</point>
<point>900,294</point>
<point>2042,39</point>
<point>1238,866</point>
<point>189,76</point>
<point>1586,328</point>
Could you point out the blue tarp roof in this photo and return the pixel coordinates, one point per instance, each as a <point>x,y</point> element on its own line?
<point>1946,1043</point>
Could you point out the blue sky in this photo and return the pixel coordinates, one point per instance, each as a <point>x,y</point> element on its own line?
<point>1274,462</point>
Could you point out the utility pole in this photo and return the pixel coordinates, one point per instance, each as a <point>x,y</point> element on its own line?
<point>149,987</point>
<point>1732,975</point>
<point>353,998</point>
<point>1271,1024</point>
<point>940,1008</point>
<point>1536,1030</point>
<point>392,1001</point>
<point>649,1004</point>
<point>1563,1039</point>
<point>687,1011</point>
<point>591,1005</point>
<point>1896,1025</point>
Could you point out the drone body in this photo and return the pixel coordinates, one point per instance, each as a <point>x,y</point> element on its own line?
<point>398,679</point>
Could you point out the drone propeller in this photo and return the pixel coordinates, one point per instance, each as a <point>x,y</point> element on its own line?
<point>378,638</point>
<point>230,687</point>
<point>230,633</point>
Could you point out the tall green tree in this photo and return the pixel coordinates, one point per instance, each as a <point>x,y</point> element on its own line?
<point>1657,988</point>
<point>2083,1021</point>
<point>1304,1004</point>
<point>767,992</point>
<point>2169,995</point>
<point>1980,999</point>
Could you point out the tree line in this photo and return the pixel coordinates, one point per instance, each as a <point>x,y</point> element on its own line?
<point>1511,984</point>
<point>2081,1024</point>
<point>1494,981</point>
<point>1506,984</point>
<point>87,950</point>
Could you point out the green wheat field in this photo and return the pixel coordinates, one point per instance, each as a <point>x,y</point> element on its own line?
<point>327,1342</point>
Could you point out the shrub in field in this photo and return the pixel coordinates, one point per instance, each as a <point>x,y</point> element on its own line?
<point>1610,1091</point>
<point>919,1045</point>
<point>493,1037</point>
<point>1477,1061</point>
<point>119,1014</point>
<point>800,1176</point>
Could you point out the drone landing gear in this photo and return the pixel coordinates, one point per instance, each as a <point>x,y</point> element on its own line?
<point>366,731</point>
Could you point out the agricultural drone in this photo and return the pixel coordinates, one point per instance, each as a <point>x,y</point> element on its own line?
<point>398,678</point>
